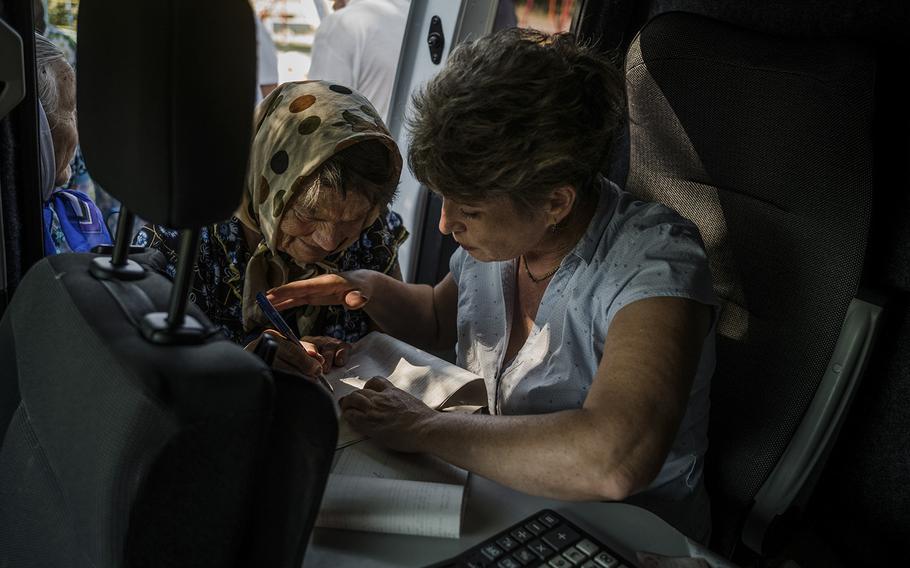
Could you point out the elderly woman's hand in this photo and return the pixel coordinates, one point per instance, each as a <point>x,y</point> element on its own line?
<point>387,414</point>
<point>348,289</point>
<point>291,357</point>
<point>333,352</point>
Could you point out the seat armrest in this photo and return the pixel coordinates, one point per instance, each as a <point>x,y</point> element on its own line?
<point>807,452</point>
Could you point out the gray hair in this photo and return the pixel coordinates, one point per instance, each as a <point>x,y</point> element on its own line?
<point>364,168</point>
<point>46,54</point>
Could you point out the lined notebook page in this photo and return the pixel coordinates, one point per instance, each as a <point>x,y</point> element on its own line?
<point>372,488</point>
<point>392,506</point>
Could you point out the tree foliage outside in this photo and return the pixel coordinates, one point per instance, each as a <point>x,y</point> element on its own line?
<point>63,13</point>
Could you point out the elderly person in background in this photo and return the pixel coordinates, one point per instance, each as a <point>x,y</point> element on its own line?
<point>323,170</point>
<point>588,313</point>
<point>72,222</point>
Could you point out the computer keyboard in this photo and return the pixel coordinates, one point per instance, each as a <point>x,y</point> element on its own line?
<point>546,539</point>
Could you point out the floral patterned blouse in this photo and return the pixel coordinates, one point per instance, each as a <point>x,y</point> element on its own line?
<point>221,266</point>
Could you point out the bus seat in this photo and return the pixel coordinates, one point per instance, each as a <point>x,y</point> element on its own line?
<point>134,434</point>
<point>765,143</point>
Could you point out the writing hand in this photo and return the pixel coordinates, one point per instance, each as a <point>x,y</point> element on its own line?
<point>291,357</point>
<point>333,352</point>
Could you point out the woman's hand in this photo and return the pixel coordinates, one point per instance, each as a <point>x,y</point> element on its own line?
<point>292,357</point>
<point>348,289</point>
<point>333,352</point>
<point>387,414</point>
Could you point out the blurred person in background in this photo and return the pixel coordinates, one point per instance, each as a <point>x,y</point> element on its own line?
<point>80,179</point>
<point>72,221</point>
<point>358,46</point>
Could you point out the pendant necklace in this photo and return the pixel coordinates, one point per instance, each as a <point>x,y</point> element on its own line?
<point>536,279</point>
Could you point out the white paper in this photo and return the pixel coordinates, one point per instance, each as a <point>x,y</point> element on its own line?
<point>369,459</point>
<point>425,376</point>
<point>398,506</point>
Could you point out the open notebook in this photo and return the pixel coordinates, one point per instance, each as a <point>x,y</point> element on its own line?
<point>378,490</point>
<point>438,383</point>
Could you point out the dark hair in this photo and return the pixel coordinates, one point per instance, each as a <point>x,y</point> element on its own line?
<point>516,113</point>
<point>364,168</point>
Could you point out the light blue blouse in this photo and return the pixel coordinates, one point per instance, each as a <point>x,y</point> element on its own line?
<point>631,250</point>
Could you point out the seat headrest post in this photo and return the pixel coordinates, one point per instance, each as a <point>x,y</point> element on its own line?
<point>175,327</point>
<point>118,266</point>
<point>189,245</point>
<point>122,244</point>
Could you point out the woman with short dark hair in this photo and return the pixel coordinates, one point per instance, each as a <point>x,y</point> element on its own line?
<point>588,313</point>
<point>323,170</point>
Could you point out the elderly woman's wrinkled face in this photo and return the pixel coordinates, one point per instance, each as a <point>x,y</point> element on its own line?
<point>63,121</point>
<point>493,229</point>
<point>310,235</point>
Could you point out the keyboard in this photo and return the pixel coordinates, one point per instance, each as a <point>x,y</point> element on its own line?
<point>546,539</point>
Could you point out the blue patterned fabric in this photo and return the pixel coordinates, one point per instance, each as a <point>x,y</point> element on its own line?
<point>221,266</point>
<point>73,223</point>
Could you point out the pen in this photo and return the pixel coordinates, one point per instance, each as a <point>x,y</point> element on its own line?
<point>282,326</point>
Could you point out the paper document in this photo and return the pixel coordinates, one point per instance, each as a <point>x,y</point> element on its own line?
<point>379,490</point>
<point>438,383</point>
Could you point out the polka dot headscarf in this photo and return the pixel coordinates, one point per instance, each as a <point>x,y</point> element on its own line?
<point>298,127</point>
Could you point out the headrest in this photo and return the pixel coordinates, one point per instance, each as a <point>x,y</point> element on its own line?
<point>165,96</point>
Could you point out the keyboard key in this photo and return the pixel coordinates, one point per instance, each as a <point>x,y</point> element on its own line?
<point>560,562</point>
<point>605,560</point>
<point>477,561</point>
<point>574,555</point>
<point>507,543</point>
<point>535,527</point>
<point>549,519</point>
<point>590,564</point>
<point>540,549</point>
<point>561,537</point>
<point>491,551</point>
<point>509,562</point>
<point>587,547</point>
<point>525,556</point>
<point>522,534</point>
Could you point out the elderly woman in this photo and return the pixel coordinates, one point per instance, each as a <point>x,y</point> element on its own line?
<point>72,222</point>
<point>322,172</point>
<point>588,313</point>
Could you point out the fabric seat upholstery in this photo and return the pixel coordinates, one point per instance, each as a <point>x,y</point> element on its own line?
<point>764,142</point>
<point>119,450</point>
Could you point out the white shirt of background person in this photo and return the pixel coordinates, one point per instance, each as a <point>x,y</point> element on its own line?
<point>266,62</point>
<point>358,46</point>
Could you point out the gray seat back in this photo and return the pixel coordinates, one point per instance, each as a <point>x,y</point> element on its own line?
<point>765,143</point>
<point>122,447</point>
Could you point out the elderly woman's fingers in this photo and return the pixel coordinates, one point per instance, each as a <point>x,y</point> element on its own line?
<point>334,351</point>
<point>292,358</point>
<point>313,351</point>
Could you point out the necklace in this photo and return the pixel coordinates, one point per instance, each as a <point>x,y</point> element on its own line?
<point>536,279</point>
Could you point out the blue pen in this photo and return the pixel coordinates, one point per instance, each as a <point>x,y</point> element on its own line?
<point>284,329</point>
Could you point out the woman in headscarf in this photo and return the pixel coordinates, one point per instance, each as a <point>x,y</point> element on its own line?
<point>323,169</point>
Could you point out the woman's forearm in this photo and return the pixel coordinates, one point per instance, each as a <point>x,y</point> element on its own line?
<point>405,311</point>
<point>562,455</point>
